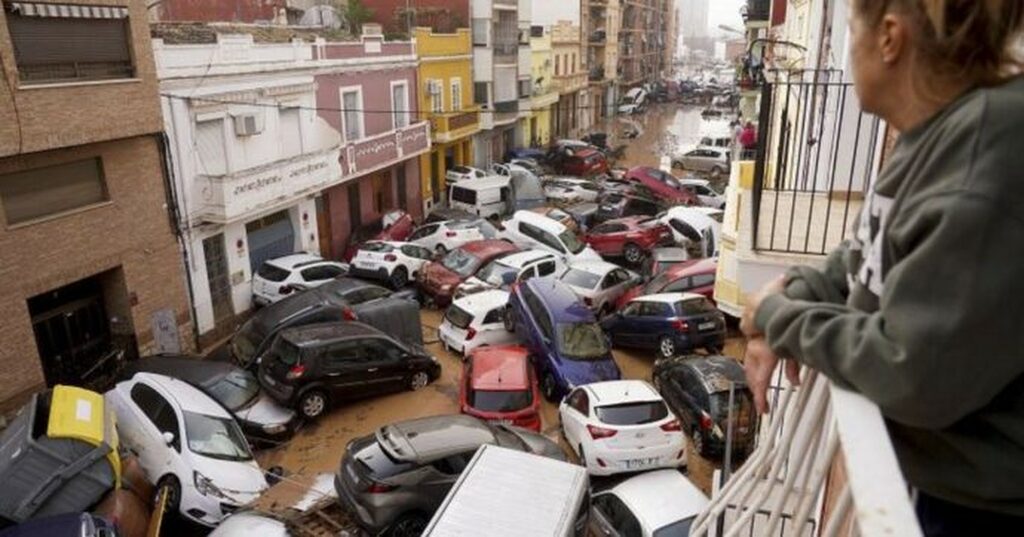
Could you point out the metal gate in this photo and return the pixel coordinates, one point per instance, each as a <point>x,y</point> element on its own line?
<point>217,277</point>
<point>71,329</point>
<point>270,237</point>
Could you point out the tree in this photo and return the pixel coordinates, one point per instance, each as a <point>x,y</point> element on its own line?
<point>357,14</point>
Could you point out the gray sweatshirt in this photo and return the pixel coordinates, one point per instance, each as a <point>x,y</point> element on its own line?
<point>922,309</point>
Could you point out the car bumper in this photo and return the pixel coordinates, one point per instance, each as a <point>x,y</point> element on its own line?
<point>617,461</point>
<point>378,273</point>
<point>451,341</point>
<point>363,516</point>
<point>280,392</point>
<point>707,339</point>
<point>262,300</point>
<point>207,510</point>
<point>256,432</point>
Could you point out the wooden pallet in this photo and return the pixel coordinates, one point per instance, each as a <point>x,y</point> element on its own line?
<point>321,518</point>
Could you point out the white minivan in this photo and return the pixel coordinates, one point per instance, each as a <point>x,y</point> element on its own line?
<point>497,195</point>
<point>527,229</point>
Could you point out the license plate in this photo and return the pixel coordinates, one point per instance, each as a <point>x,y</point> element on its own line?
<point>706,326</point>
<point>641,463</point>
<point>366,265</point>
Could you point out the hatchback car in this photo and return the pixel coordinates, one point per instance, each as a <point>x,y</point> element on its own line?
<point>701,227</point>
<point>583,163</point>
<point>65,525</point>
<point>393,480</point>
<point>530,230</point>
<point>621,205</point>
<point>278,278</point>
<point>621,426</point>
<point>395,225</point>
<point>475,320</point>
<point>188,445</point>
<point>599,283</point>
<point>392,262</point>
<point>712,160</point>
<point>498,385</point>
<point>462,173</point>
<point>664,185</point>
<point>311,367</point>
<point>440,237</point>
<point>669,323</point>
<point>697,391</point>
<point>662,503</point>
<point>437,280</point>
<point>503,272</point>
<point>568,345</point>
<point>262,419</point>
<point>571,189</point>
<point>631,238</point>
<point>694,276</point>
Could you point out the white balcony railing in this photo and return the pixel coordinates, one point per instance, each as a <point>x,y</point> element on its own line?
<point>825,467</point>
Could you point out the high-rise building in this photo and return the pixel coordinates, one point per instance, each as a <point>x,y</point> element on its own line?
<point>693,22</point>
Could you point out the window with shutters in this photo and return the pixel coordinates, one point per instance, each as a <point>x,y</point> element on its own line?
<point>456,85</point>
<point>352,113</point>
<point>210,147</point>
<point>69,43</point>
<point>480,93</point>
<point>43,192</point>
<point>291,132</point>
<point>436,92</point>
<point>399,104</point>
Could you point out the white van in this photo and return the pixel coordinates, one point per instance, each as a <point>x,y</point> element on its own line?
<point>633,102</point>
<point>489,197</point>
<point>528,230</point>
<point>506,493</point>
<point>698,225</point>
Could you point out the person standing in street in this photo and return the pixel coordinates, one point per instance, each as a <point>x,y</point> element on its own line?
<point>921,310</point>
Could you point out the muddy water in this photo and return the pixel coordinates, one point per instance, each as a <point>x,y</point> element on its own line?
<point>664,128</point>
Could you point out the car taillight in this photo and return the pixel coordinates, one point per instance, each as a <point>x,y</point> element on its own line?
<point>705,421</point>
<point>598,433</point>
<point>390,257</point>
<point>296,371</point>
<point>349,315</point>
<point>380,488</point>
<point>284,289</point>
<point>450,234</point>
<point>680,325</point>
<point>672,426</point>
<point>470,334</point>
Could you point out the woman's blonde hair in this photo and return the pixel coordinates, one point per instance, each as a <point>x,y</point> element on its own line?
<point>977,40</point>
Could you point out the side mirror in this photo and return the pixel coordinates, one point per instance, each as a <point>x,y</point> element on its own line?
<point>168,438</point>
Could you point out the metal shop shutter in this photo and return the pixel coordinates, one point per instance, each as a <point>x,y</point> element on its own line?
<point>270,237</point>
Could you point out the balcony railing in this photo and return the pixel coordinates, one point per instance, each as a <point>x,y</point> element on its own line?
<point>825,466</point>
<point>49,73</point>
<point>757,11</point>
<point>442,125</point>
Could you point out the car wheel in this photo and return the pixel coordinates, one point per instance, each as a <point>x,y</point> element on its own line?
<point>312,404</point>
<point>677,164</point>
<point>632,253</point>
<point>509,319</point>
<point>409,526</point>
<point>697,439</point>
<point>666,347</point>
<point>549,387</point>
<point>173,488</point>
<point>399,277</point>
<point>419,380</point>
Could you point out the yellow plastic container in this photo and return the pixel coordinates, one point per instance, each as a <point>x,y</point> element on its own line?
<point>80,414</point>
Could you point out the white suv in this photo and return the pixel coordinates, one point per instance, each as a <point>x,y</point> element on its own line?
<point>500,273</point>
<point>278,278</point>
<point>474,321</point>
<point>462,173</point>
<point>527,229</point>
<point>394,262</point>
<point>439,237</point>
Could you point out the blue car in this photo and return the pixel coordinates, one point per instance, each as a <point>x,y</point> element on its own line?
<point>525,153</point>
<point>670,323</point>
<point>568,346</point>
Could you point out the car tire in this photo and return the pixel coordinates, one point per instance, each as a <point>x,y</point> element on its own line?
<point>410,525</point>
<point>399,277</point>
<point>633,253</point>
<point>666,347</point>
<point>312,404</point>
<point>677,165</point>
<point>173,487</point>
<point>697,441</point>
<point>418,381</point>
<point>509,320</point>
<point>549,388</point>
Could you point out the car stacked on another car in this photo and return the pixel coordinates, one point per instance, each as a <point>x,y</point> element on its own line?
<point>569,190</point>
<point>463,173</point>
<point>530,230</point>
<point>669,323</point>
<point>694,276</point>
<point>561,216</point>
<point>441,236</point>
<point>475,320</point>
<point>278,278</point>
<point>498,385</point>
<point>393,262</point>
<point>664,185</point>
<point>437,280</point>
<point>614,205</point>
<point>621,426</point>
<point>505,271</point>
<point>599,283</point>
<point>632,238</point>
<point>394,226</point>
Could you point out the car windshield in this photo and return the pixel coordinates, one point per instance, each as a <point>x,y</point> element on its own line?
<point>679,528</point>
<point>460,262</point>
<point>571,242</point>
<point>582,341</point>
<point>632,413</point>
<point>235,390</point>
<point>377,247</point>
<point>245,342</point>
<point>694,306</point>
<point>214,437</point>
<point>581,278</point>
<point>500,401</point>
<point>458,317</point>
<point>496,273</point>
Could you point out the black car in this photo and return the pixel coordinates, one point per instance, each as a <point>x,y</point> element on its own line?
<point>696,388</point>
<point>311,367</point>
<point>343,299</point>
<point>618,205</point>
<point>66,525</point>
<point>262,419</point>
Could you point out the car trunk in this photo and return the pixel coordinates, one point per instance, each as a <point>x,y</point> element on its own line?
<point>700,316</point>
<point>459,319</point>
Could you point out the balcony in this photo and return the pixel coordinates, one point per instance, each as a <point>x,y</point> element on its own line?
<point>598,37</point>
<point>596,74</point>
<point>506,53</point>
<point>506,111</point>
<point>757,12</point>
<point>451,126</point>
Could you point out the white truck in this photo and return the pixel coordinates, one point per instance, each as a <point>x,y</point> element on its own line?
<point>508,493</point>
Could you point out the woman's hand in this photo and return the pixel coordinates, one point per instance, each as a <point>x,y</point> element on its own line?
<point>747,325</point>
<point>759,363</point>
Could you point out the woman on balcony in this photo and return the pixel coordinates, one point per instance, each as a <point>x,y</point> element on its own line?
<point>922,309</point>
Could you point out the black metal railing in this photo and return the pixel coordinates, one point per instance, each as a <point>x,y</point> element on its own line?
<point>45,73</point>
<point>816,154</point>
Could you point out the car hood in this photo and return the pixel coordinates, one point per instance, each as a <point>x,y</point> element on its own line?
<point>539,444</point>
<point>241,481</point>
<point>580,372</point>
<point>587,254</point>
<point>437,275</point>
<point>265,411</point>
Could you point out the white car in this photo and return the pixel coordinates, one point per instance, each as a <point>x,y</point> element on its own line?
<point>529,230</point>
<point>698,225</point>
<point>277,278</point>
<point>461,173</point>
<point>502,272</point>
<point>660,503</point>
<point>571,190</point>
<point>706,194</point>
<point>186,442</point>
<point>599,283</point>
<point>440,237</point>
<point>621,426</point>
<point>250,524</point>
<point>397,263</point>
<point>475,320</point>
<point>713,160</point>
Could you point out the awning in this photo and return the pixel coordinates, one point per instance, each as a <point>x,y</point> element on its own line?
<point>66,11</point>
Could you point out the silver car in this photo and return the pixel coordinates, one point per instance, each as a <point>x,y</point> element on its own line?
<point>713,160</point>
<point>394,480</point>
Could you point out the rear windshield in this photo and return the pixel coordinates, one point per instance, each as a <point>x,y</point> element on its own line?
<point>246,341</point>
<point>376,461</point>
<point>632,413</point>
<point>460,262</point>
<point>458,316</point>
<point>500,401</point>
<point>464,195</point>
<point>377,247</point>
<point>694,306</point>
<point>285,352</point>
<point>272,273</point>
<point>581,278</point>
<point>741,407</point>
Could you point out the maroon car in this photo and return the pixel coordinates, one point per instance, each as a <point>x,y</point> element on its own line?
<point>438,279</point>
<point>393,226</point>
<point>584,163</point>
<point>696,276</point>
<point>664,185</point>
<point>632,237</point>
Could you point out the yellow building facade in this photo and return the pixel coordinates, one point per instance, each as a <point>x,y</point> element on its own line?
<point>446,100</point>
<point>543,94</point>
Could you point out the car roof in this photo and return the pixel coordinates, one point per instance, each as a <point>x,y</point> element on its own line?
<point>668,298</point>
<point>539,220</point>
<point>716,372</point>
<point>661,497</point>
<point>487,247</point>
<point>614,392</point>
<point>491,181</point>
<point>191,369</point>
<point>430,438</point>
<point>694,181</point>
<point>188,397</point>
<point>519,259</point>
<point>671,252</point>
<point>483,301</point>
<point>560,300</point>
<point>312,335</point>
<point>594,267</point>
<point>500,368</point>
<point>696,266</point>
<point>294,261</point>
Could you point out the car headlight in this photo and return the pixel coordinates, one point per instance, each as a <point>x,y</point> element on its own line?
<point>274,428</point>
<point>206,487</point>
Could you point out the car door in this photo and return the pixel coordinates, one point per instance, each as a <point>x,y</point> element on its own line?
<point>576,413</point>
<point>153,416</point>
<point>625,328</point>
<point>346,369</point>
<point>388,366</point>
<point>603,238</point>
<point>651,323</point>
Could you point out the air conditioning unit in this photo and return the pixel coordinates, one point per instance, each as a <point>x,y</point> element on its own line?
<point>248,124</point>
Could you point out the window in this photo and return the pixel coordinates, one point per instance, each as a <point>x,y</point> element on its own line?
<point>480,32</point>
<point>572,66</point>
<point>400,104</point>
<point>700,280</point>
<point>639,413</point>
<point>541,236</point>
<point>536,31</point>
<point>558,65</point>
<point>605,229</point>
<point>91,45</point>
<point>352,113</point>
<point>41,192</point>
<point>158,411</point>
<point>580,401</point>
<point>322,272</point>
<point>685,229</point>
<point>545,268</point>
<point>210,147</point>
<point>494,316</point>
<point>424,231</point>
<point>291,132</point>
<point>633,309</point>
<point>678,286</point>
<point>480,93</point>
<point>346,354</point>
<point>463,195</point>
<point>524,88</point>
<point>617,514</point>
<point>456,94</point>
<point>418,252</point>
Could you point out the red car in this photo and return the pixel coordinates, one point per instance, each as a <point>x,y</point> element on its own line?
<point>631,237</point>
<point>498,385</point>
<point>395,225</point>
<point>663,185</point>
<point>696,276</point>
<point>584,163</point>
<point>438,279</point>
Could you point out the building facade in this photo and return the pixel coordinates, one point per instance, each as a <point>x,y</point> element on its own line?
<point>642,42</point>
<point>398,16</point>
<point>91,260</point>
<point>601,34</point>
<point>446,101</point>
<point>571,111</point>
<point>544,95</point>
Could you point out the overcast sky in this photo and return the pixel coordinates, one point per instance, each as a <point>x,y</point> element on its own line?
<point>724,12</point>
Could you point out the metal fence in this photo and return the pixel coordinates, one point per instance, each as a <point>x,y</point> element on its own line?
<point>817,151</point>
